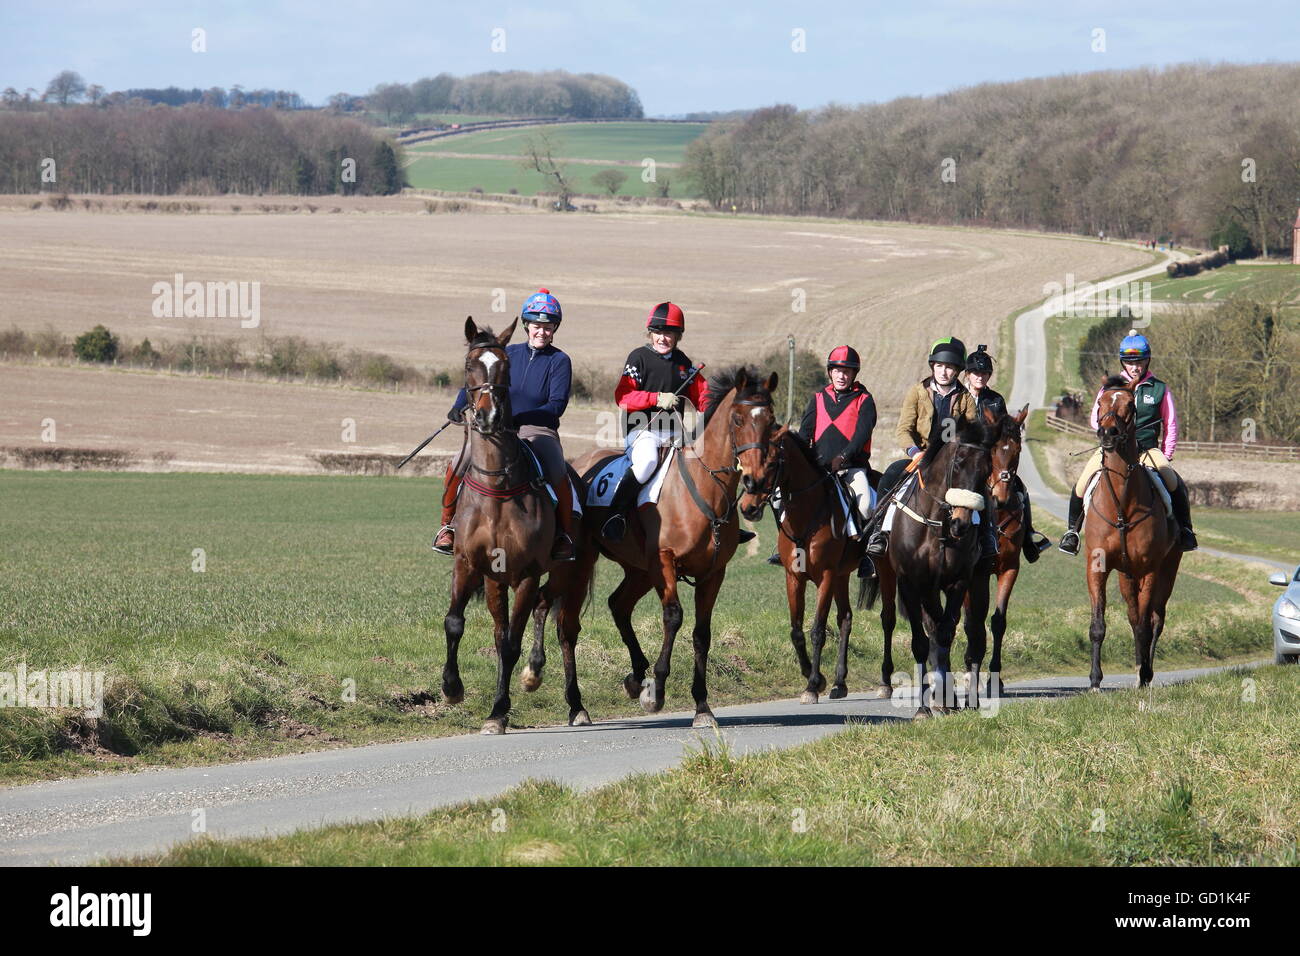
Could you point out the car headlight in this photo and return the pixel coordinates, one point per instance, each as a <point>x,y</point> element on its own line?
<point>1286,608</point>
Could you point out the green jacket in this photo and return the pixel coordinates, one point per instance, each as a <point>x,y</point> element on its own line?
<point>916,420</point>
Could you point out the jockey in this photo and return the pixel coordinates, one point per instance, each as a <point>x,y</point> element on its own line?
<point>979,369</point>
<point>651,377</point>
<point>937,399</point>
<point>540,378</point>
<point>837,423</point>
<point>1156,422</point>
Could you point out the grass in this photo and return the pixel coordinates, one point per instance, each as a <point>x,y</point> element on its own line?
<point>1199,774</point>
<point>623,142</point>
<point>311,582</point>
<point>1238,279</point>
<point>501,175</point>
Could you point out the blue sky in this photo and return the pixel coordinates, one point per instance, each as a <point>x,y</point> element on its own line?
<point>679,55</point>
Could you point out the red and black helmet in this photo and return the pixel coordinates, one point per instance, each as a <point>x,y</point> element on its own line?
<point>843,356</point>
<point>666,317</point>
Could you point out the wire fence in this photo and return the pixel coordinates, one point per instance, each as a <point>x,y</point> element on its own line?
<point>1216,449</point>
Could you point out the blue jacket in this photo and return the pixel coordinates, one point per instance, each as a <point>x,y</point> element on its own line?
<point>540,382</point>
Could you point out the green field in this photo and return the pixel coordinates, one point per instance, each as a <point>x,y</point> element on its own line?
<point>1200,774</point>
<point>1265,283</point>
<point>607,142</point>
<point>314,581</point>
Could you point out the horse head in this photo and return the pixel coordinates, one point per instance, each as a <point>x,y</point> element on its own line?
<point>966,474</point>
<point>752,430</point>
<point>1005,455</point>
<point>487,378</point>
<point>1117,415</point>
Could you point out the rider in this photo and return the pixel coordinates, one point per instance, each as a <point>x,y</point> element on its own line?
<point>837,423</point>
<point>979,369</point>
<point>540,379</point>
<point>1156,421</point>
<point>928,405</point>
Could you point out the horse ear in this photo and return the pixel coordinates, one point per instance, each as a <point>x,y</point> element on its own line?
<point>771,382</point>
<point>504,337</point>
<point>989,416</point>
<point>742,378</point>
<point>1024,413</point>
<point>471,330</point>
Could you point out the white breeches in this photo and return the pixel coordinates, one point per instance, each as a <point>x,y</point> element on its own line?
<point>643,446</point>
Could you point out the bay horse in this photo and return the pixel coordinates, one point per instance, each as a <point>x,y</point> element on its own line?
<point>933,550</point>
<point>506,523</point>
<point>689,533</point>
<point>815,549</point>
<point>1118,534</point>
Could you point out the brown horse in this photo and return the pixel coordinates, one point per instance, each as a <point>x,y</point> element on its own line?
<point>1009,515</point>
<point>1126,529</point>
<point>690,533</point>
<point>814,549</point>
<point>508,523</point>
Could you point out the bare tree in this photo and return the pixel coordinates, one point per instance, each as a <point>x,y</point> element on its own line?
<point>539,155</point>
<point>68,85</point>
<point>610,180</point>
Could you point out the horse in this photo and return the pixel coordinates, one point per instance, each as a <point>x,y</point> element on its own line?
<point>507,524</point>
<point>814,548</point>
<point>1118,535</point>
<point>689,533</point>
<point>1005,460</point>
<point>932,554</point>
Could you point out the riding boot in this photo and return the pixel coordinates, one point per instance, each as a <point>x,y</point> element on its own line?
<point>1070,540</point>
<point>775,559</point>
<point>1034,543</point>
<point>445,540</point>
<point>1183,515</point>
<point>744,536</point>
<point>562,549</point>
<point>624,497</point>
<point>878,543</point>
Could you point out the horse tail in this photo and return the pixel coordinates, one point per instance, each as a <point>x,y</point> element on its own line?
<point>868,591</point>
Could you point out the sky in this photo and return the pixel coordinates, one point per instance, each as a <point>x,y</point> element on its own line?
<point>680,56</point>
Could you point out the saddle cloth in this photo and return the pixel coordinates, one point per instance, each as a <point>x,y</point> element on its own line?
<point>901,492</point>
<point>603,481</point>
<point>540,472</point>
<point>1156,483</point>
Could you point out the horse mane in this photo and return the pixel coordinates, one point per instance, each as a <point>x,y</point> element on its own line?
<point>1006,427</point>
<point>1115,381</point>
<point>805,449</point>
<point>724,381</point>
<point>977,432</point>
<point>486,338</point>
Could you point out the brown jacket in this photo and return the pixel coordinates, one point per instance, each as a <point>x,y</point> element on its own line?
<point>917,416</point>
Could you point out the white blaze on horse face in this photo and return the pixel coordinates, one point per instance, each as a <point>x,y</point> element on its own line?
<point>488,360</point>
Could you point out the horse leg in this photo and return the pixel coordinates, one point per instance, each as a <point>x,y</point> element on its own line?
<point>844,621</point>
<point>794,596</point>
<point>652,693</point>
<point>816,679</point>
<point>977,609</point>
<point>508,640</point>
<point>1143,630</point>
<point>706,595</point>
<point>998,624</point>
<point>920,643</point>
<point>888,621</point>
<point>942,622</point>
<point>569,625</point>
<point>531,678</point>
<point>1097,629</point>
<point>464,582</point>
<point>621,605</point>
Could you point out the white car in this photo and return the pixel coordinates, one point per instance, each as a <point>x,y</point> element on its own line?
<point>1286,619</point>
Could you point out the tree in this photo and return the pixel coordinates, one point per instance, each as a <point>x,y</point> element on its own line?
<point>610,180</point>
<point>539,155</point>
<point>387,172</point>
<point>97,345</point>
<point>94,93</point>
<point>68,85</point>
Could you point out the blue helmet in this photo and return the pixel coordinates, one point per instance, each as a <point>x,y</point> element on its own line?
<point>543,307</point>
<point>1135,347</point>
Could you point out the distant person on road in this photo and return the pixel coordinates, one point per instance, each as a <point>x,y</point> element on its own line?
<point>541,378</point>
<point>1157,438</point>
<point>979,369</point>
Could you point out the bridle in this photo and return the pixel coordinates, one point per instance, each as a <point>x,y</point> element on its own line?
<point>1120,440</point>
<point>496,390</point>
<point>944,523</point>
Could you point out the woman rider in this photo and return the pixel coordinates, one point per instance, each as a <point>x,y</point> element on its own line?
<point>1156,422</point>
<point>930,403</point>
<point>540,379</point>
<point>837,423</point>
<point>979,369</point>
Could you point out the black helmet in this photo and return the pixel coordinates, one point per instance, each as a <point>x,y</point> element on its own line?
<point>980,361</point>
<point>950,351</point>
<point>843,356</point>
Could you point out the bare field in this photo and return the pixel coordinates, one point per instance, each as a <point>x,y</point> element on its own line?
<point>383,276</point>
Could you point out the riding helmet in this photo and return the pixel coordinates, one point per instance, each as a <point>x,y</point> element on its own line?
<point>950,351</point>
<point>543,308</point>
<point>980,361</point>
<point>666,317</point>
<point>843,356</point>
<point>1135,347</point>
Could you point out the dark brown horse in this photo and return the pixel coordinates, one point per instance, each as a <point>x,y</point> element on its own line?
<point>814,549</point>
<point>932,554</point>
<point>508,523</point>
<point>1126,529</point>
<point>689,533</point>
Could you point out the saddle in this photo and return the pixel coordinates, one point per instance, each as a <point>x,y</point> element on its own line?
<point>1157,485</point>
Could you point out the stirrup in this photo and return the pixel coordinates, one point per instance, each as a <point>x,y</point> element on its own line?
<point>448,549</point>
<point>563,549</point>
<point>1040,542</point>
<point>878,543</point>
<point>1069,542</point>
<point>1188,537</point>
<point>866,567</point>
<point>614,528</point>
<point>775,559</point>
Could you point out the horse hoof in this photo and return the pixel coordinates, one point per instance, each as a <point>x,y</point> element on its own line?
<point>632,686</point>
<point>453,695</point>
<point>492,728</point>
<point>648,702</point>
<point>884,692</point>
<point>922,713</point>
<point>580,719</point>
<point>530,680</point>
<point>839,692</point>
<point>807,697</point>
<point>705,719</point>
<point>1094,689</point>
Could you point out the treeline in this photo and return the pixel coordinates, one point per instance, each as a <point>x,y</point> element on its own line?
<point>513,93</point>
<point>1189,152</point>
<point>1230,366</point>
<point>194,150</point>
<point>69,87</point>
